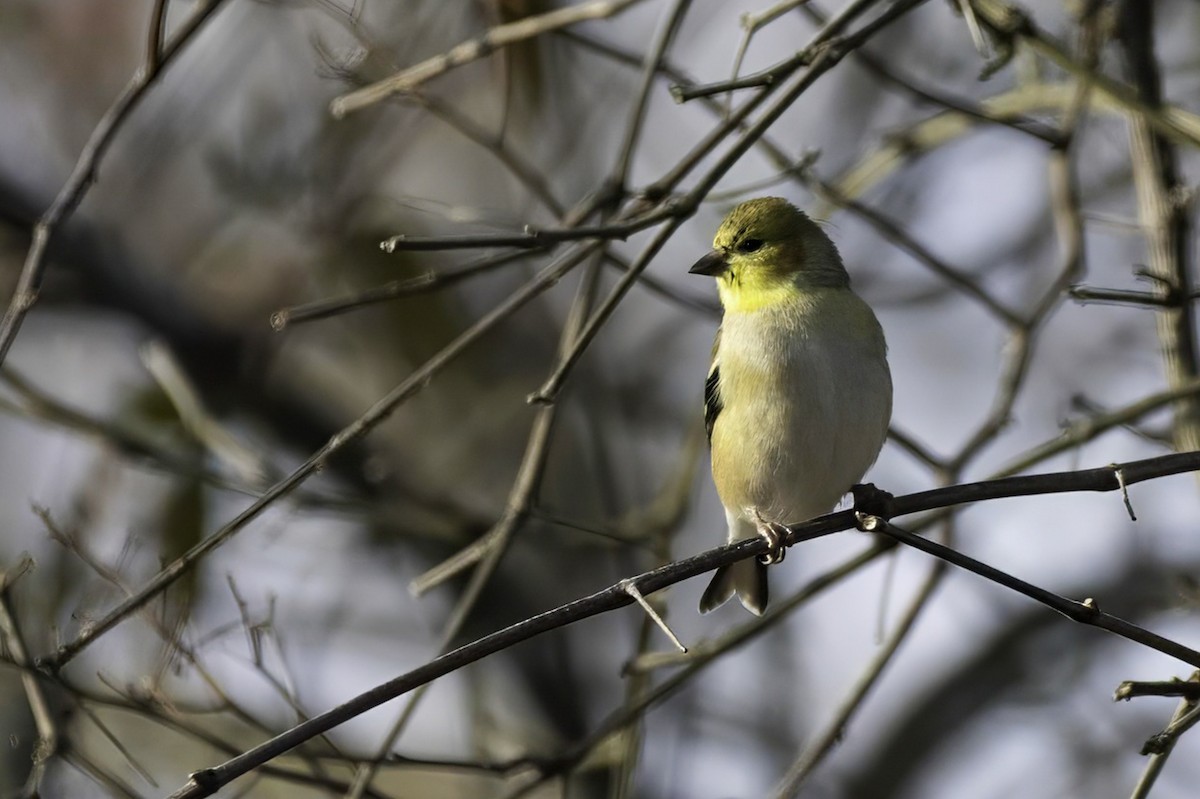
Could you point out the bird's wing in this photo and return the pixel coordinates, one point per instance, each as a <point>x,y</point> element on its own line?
<point>712,392</point>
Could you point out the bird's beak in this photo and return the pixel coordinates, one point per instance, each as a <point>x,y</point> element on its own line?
<point>713,264</point>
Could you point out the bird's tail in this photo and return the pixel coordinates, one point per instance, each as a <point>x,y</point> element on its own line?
<point>746,578</point>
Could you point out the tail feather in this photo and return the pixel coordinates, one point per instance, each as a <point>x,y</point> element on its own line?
<point>746,578</point>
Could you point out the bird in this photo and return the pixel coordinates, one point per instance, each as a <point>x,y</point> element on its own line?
<point>799,394</point>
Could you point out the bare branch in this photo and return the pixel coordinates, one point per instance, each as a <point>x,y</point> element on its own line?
<point>473,50</point>
<point>43,717</point>
<point>1165,219</point>
<point>1159,747</point>
<point>84,173</point>
<point>829,736</point>
<point>208,781</point>
<point>358,428</point>
<point>1086,612</point>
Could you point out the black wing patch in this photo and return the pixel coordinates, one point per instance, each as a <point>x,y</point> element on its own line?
<point>712,390</point>
<point>712,400</point>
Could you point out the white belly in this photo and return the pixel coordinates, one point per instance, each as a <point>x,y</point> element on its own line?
<point>806,399</point>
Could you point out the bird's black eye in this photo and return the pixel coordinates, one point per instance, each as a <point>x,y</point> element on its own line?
<point>749,245</point>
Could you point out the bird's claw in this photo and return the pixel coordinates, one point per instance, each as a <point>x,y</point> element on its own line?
<point>775,535</point>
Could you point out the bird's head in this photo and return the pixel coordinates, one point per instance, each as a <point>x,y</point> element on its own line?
<point>766,251</point>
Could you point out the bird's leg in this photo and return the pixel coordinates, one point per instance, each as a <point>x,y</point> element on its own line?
<point>774,534</point>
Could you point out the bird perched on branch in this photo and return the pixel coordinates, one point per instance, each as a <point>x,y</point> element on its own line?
<point>799,394</point>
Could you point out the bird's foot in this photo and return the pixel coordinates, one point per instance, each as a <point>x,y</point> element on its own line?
<point>775,535</point>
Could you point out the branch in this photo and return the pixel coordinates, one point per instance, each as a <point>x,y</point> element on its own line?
<point>1187,689</point>
<point>1163,216</point>
<point>653,63</point>
<point>207,781</point>
<point>1126,297</point>
<point>825,58</point>
<point>699,658</point>
<point>155,34</point>
<point>473,50</point>
<point>423,283</point>
<point>532,238</point>
<point>378,412</point>
<point>823,743</point>
<point>548,393</point>
<point>1085,612</point>
<point>494,545</point>
<point>893,233</point>
<point>39,707</point>
<point>781,71</point>
<point>84,174</point>
<point>1008,22</point>
<point>1159,746</point>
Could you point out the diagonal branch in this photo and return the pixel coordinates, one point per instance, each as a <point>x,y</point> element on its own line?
<point>84,173</point>
<point>473,50</point>
<point>49,739</point>
<point>207,781</point>
<point>376,414</point>
<point>1085,612</point>
<point>795,777</point>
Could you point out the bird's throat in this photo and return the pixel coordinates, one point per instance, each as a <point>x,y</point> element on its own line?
<point>740,295</point>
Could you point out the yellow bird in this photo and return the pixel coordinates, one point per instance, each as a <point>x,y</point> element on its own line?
<point>799,395</point>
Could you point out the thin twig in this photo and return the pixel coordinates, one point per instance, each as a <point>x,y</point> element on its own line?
<point>750,25</point>
<point>156,33</point>
<point>650,68</point>
<point>114,786</point>
<point>492,547</point>
<point>1086,429</point>
<point>378,412</point>
<point>781,71</point>
<point>902,240</point>
<point>1161,745</point>
<point>170,636</point>
<point>823,742</point>
<point>517,165</point>
<point>825,59</point>
<point>473,50</point>
<point>1143,299</point>
<point>43,717</point>
<point>1131,689</point>
<point>1008,22</point>
<point>1069,226</point>
<point>531,238</point>
<point>408,287</point>
<point>548,393</point>
<point>632,589</point>
<point>826,56</point>
<point>84,173</point>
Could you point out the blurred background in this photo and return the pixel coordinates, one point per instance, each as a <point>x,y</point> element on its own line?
<point>1017,207</point>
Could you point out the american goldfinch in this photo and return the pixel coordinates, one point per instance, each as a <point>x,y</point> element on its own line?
<point>799,395</point>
